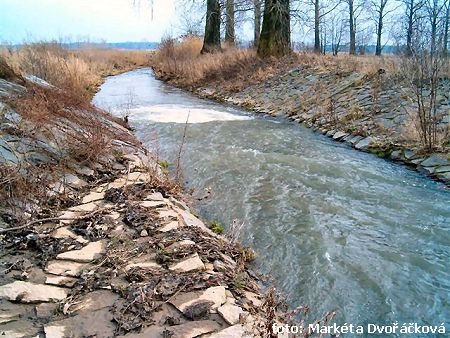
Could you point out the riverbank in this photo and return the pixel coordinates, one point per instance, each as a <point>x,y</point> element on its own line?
<point>293,188</point>
<point>96,239</point>
<point>360,101</point>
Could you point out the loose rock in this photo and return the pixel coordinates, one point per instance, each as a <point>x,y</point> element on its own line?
<point>26,292</point>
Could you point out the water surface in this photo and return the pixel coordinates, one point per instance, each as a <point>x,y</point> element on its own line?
<point>334,228</point>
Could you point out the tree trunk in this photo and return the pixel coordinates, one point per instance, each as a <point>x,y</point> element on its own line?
<point>229,29</point>
<point>316,27</point>
<point>379,30</point>
<point>275,39</point>
<point>211,42</point>
<point>433,34</point>
<point>446,29</point>
<point>409,29</point>
<point>257,27</point>
<point>352,49</point>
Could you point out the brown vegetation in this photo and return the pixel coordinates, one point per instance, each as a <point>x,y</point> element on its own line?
<point>182,63</point>
<point>69,131</point>
<point>80,71</point>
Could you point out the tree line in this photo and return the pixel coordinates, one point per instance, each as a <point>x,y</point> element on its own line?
<point>331,24</point>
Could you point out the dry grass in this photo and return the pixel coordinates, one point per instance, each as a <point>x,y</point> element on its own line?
<point>90,135</point>
<point>183,64</point>
<point>62,117</point>
<point>79,71</point>
<point>345,64</point>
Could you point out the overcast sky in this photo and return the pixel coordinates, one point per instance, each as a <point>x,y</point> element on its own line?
<point>111,20</point>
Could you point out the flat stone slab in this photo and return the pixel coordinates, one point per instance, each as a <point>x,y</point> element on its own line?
<point>235,331</point>
<point>74,181</point>
<point>65,232</point>
<point>149,265</point>
<point>177,245</point>
<point>363,144</point>
<point>170,226</point>
<point>61,281</point>
<point>10,312</point>
<point>442,169</point>
<point>215,294</point>
<point>156,196</point>
<point>167,214</point>
<point>118,183</point>
<point>93,196</point>
<point>149,331</point>
<point>65,268</point>
<point>26,292</point>
<point>85,208</point>
<point>152,204</point>
<point>230,313</point>
<point>87,254</point>
<point>339,135</point>
<point>91,324</point>
<point>254,298</point>
<point>68,216</point>
<point>137,177</point>
<point>94,301</point>
<point>194,329</point>
<point>20,329</point>
<point>434,161</point>
<point>189,264</point>
<point>191,220</point>
<point>46,310</point>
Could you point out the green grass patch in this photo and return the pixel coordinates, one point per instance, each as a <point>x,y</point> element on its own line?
<point>216,227</point>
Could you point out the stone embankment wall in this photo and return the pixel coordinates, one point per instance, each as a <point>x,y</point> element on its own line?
<point>114,251</point>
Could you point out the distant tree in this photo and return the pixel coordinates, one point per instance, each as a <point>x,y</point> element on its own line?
<point>352,26</point>
<point>380,11</point>
<point>412,8</point>
<point>336,30</point>
<point>275,38</point>
<point>446,28</point>
<point>320,11</point>
<point>211,42</point>
<point>256,22</point>
<point>434,10</point>
<point>229,22</point>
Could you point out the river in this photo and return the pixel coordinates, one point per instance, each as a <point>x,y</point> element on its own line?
<point>333,228</point>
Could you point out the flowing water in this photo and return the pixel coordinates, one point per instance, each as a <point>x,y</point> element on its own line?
<point>334,228</point>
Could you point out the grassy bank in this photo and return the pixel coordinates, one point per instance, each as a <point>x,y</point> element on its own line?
<point>79,71</point>
<point>51,131</point>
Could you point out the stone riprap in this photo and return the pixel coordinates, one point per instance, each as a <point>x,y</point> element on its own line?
<point>120,254</point>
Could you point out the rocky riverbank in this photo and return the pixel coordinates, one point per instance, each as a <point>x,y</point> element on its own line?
<point>102,244</point>
<point>370,112</point>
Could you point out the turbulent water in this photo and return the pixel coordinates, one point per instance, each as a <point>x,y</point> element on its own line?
<point>334,228</point>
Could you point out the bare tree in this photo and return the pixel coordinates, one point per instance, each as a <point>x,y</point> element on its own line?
<point>352,26</point>
<point>423,70</point>
<point>434,9</point>
<point>379,7</point>
<point>211,42</point>
<point>446,29</point>
<point>257,22</point>
<point>337,25</point>
<point>411,14</point>
<point>275,39</point>
<point>229,22</point>
<point>317,47</point>
<point>320,11</point>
